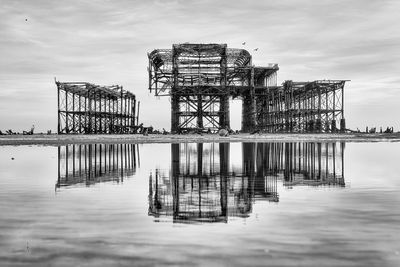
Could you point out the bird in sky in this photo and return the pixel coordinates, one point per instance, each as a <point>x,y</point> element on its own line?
<point>26,19</point>
<point>243,43</point>
<point>256,49</point>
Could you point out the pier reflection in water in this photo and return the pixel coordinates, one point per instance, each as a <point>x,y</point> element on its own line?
<point>202,185</point>
<point>94,163</point>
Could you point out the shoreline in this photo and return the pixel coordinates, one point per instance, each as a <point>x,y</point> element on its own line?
<point>55,140</point>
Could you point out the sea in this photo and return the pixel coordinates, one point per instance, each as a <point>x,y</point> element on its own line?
<point>201,204</point>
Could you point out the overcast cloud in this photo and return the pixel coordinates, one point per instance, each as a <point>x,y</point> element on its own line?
<point>106,42</point>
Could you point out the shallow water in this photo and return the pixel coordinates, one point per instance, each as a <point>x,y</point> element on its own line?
<point>285,204</point>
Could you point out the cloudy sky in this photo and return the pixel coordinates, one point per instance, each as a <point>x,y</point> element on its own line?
<point>106,42</point>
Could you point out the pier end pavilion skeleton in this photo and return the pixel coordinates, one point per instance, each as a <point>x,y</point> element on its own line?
<point>201,78</point>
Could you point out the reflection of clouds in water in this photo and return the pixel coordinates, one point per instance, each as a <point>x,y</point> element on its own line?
<point>308,226</point>
<point>203,186</point>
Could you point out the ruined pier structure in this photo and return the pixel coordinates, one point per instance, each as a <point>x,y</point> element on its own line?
<point>201,78</point>
<point>92,109</point>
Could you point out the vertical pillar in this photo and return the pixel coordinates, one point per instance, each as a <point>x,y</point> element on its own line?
<point>100,114</point>
<point>109,116</point>
<point>224,119</point>
<point>248,118</point>
<point>131,111</point>
<point>318,125</point>
<point>59,112</point>
<point>134,112</point>
<point>66,112</point>
<point>342,125</point>
<point>174,95</point>
<point>95,110</point>
<point>138,110</point>
<point>113,117</point>
<point>174,113</point>
<point>124,114</point>
<point>121,114</point>
<point>87,114</point>
<point>199,111</point>
<point>342,120</point>
<point>327,127</point>
<point>300,114</point>
<point>248,106</point>
<point>261,111</point>
<point>90,117</point>
<point>333,126</point>
<point>129,114</point>
<point>319,115</point>
<point>80,113</point>
<point>292,108</point>
<point>73,113</point>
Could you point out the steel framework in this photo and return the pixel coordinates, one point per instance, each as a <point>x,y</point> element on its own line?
<point>201,78</point>
<point>302,107</point>
<point>92,109</point>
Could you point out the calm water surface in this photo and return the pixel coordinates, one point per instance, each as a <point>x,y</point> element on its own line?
<point>285,204</point>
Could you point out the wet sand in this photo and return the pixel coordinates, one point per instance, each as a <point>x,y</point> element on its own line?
<point>54,140</point>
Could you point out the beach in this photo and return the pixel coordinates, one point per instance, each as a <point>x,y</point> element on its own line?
<point>54,139</point>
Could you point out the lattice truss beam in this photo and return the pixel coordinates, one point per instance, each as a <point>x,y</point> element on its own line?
<point>92,109</point>
<point>201,111</point>
<point>206,66</point>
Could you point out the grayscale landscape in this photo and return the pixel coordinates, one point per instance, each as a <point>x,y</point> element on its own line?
<point>199,133</point>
